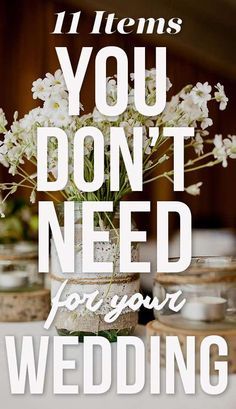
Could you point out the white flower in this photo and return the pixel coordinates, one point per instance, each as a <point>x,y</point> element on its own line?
<point>55,104</point>
<point>98,117</point>
<point>168,84</point>
<point>34,116</point>
<point>128,127</point>
<point>15,157</point>
<point>61,118</point>
<point>171,110</point>
<point>32,196</point>
<point>148,164</point>
<point>220,96</point>
<point>56,80</point>
<point>198,144</point>
<point>219,151</point>
<point>147,144</point>
<point>194,190</point>
<point>201,93</point>
<point>189,106</point>
<point>10,140</point>
<point>3,154</point>
<point>151,79</point>
<point>111,90</point>
<point>56,108</point>
<point>206,122</point>
<point>40,89</point>
<point>51,84</point>
<point>3,121</point>
<point>230,144</point>
<point>163,159</point>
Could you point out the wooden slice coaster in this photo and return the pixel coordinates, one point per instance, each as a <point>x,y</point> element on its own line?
<point>24,306</point>
<point>155,328</point>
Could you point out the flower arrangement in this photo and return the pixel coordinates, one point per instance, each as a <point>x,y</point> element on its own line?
<point>188,108</point>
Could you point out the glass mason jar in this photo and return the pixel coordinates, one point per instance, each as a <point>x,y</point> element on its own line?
<point>19,268</point>
<point>81,321</point>
<point>209,287</point>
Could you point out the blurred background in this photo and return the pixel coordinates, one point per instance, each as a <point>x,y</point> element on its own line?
<point>202,51</point>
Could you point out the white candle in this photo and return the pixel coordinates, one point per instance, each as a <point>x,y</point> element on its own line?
<point>205,308</point>
<point>13,279</point>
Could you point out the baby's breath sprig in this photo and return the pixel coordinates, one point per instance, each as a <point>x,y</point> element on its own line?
<point>189,107</point>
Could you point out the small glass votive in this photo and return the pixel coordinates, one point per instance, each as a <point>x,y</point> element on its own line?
<point>19,268</point>
<point>209,288</point>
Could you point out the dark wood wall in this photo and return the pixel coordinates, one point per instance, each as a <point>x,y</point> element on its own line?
<point>27,52</point>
